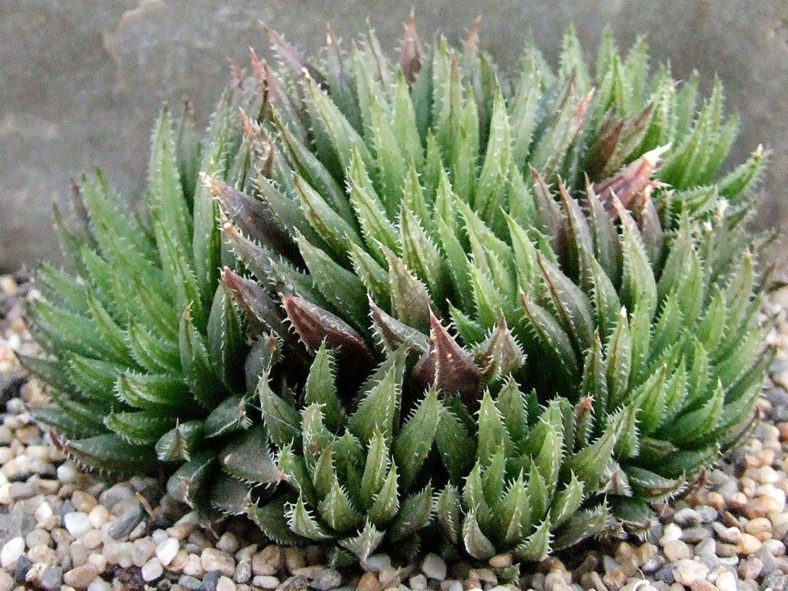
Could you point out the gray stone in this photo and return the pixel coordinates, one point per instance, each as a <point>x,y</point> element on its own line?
<point>665,574</point>
<point>82,82</point>
<point>125,524</point>
<point>23,565</point>
<point>52,578</point>
<point>210,579</point>
<point>189,582</point>
<point>697,534</point>
<point>686,517</point>
<point>776,581</point>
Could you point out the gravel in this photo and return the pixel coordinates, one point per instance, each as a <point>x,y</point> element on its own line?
<point>60,526</point>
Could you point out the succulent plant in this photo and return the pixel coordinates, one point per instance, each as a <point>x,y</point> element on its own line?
<point>146,348</point>
<point>572,229</point>
<point>419,302</point>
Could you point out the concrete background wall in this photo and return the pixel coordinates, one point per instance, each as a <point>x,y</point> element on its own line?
<point>81,81</point>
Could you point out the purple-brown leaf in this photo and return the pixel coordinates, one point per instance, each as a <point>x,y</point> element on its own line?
<point>629,181</point>
<point>448,367</point>
<point>314,325</point>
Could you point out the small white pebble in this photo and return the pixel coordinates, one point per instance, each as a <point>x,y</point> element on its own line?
<point>726,581</point>
<point>671,532</point>
<point>99,584</point>
<point>225,584</point>
<point>43,511</point>
<point>152,570</point>
<point>159,536</point>
<point>98,516</point>
<point>167,550</point>
<point>265,582</point>
<point>67,473</point>
<point>11,552</point>
<point>76,523</point>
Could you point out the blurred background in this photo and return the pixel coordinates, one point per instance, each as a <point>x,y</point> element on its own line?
<point>82,82</point>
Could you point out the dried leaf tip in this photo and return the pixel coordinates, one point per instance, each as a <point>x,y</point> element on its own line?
<point>211,183</point>
<point>471,42</point>
<point>410,50</point>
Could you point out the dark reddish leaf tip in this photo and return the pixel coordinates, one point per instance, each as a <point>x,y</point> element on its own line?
<point>314,325</point>
<point>448,367</point>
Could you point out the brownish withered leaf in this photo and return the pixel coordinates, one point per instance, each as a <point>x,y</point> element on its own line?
<point>410,50</point>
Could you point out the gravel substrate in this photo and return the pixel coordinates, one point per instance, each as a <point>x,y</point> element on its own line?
<point>62,529</point>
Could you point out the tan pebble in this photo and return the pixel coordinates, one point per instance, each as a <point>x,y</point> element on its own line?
<point>747,486</point>
<point>736,502</point>
<point>268,561</point>
<point>748,544</point>
<point>750,569</point>
<point>485,575</point>
<point>702,585</point>
<point>783,429</point>
<point>9,286</point>
<point>758,526</point>
<point>779,525</point>
<point>614,579</point>
<point>762,506</point>
<point>715,500</point>
<point>724,550</point>
<point>646,552</point>
<point>676,550</point>
<point>592,580</point>
<point>688,571</point>
<point>368,582</point>
<point>767,455</point>
<point>726,581</point>
<point>179,561</point>
<point>98,560</point>
<point>181,529</point>
<point>294,558</point>
<point>92,539</point>
<point>41,553</point>
<point>98,516</point>
<point>213,559</point>
<point>193,566</point>
<point>81,576</point>
<point>82,501</point>
<point>730,520</point>
<point>310,572</point>
<point>766,475</point>
<point>501,561</point>
<point>265,582</point>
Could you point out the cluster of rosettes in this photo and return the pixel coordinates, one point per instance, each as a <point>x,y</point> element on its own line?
<point>419,300</point>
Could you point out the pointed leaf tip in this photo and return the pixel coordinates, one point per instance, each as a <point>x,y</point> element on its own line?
<point>410,50</point>
<point>447,366</point>
<point>315,325</point>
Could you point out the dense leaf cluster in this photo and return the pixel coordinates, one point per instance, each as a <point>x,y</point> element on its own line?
<point>520,309</point>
